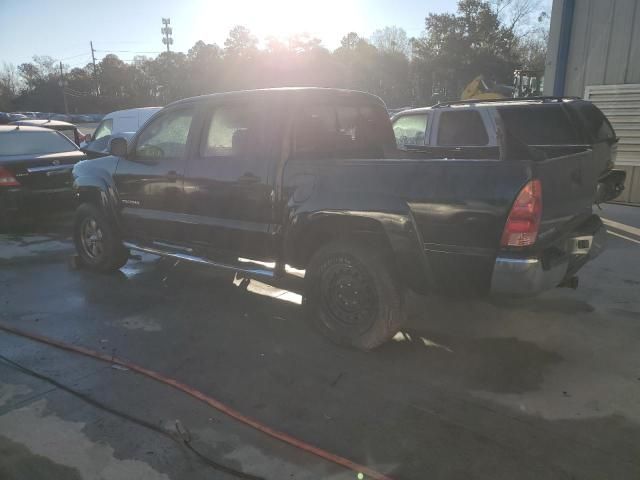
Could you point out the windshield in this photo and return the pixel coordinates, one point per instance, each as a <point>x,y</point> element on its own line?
<point>103,129</point>
<point>23,142</point>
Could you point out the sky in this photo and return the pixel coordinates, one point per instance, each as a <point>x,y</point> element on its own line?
<point>62,29</point>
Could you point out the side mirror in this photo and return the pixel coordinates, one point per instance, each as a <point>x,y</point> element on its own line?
<point>118,147</point>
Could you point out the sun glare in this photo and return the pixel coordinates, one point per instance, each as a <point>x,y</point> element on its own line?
<point>328,19</point>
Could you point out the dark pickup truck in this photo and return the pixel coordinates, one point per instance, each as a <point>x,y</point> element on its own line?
<point>314,179</point>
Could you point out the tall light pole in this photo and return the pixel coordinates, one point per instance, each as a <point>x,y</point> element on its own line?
<point>167,31</point>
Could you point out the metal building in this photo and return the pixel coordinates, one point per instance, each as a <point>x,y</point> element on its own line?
<point>594,53</point>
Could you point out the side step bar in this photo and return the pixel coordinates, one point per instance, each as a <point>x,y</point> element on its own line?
<point>261,272</point>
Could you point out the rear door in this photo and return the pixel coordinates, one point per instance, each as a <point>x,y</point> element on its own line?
<point>228,186</point>
<point>150,179</point>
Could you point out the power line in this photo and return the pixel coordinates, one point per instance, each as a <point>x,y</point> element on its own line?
<point>122,51</point>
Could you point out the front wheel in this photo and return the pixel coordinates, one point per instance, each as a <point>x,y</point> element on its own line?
<point>98,245</point>
<point>352,296</point>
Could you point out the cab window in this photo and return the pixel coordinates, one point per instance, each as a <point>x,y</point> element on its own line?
<point>229,132</point>
<point>166,136</point>
<point>411,130</point>
<point>462,129</point>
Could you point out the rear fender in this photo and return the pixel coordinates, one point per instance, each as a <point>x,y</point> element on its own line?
<point>307,231</point>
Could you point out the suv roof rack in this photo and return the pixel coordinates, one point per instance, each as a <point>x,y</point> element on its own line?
<point>547,99</point>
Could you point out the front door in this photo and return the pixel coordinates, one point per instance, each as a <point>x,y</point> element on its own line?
<point>150,179</point>
<point>228,189</point>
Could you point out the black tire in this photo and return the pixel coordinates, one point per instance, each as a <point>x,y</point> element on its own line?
<point>97,242</point>
<point>352,296</point>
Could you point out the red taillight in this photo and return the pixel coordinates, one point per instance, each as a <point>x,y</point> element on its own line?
<point>7,179</point>
<point>523,222</point>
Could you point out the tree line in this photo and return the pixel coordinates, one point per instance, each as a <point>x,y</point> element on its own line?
<point>480,38</point>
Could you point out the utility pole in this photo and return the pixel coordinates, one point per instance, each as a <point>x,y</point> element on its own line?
<point>63,83</point>
<point>95,71</point>
<point>167,31</point>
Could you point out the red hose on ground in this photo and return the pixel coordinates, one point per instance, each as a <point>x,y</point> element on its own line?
<point>343,462</point>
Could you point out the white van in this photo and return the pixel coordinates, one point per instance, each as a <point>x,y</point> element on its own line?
<point>121,122</point>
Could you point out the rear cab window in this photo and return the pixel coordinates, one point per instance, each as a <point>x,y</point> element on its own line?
<point>341,131</point>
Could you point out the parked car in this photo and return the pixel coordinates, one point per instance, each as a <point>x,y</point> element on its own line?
<point>35,171</point>
<point>28,114</point>
<point>67,129</point>
<point>60,117</point>
<point>312,178</point>
<point>541,124</point>
<point>17,116</point>
<point>117,123</point>
<point>4,118</point>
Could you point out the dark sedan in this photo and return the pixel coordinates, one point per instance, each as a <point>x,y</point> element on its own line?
<point>35,171</point>
<point>67,129</point>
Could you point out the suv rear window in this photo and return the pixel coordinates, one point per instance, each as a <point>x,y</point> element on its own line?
<point>540,124</point>
<point>462,129</point>
<point>597,125</point>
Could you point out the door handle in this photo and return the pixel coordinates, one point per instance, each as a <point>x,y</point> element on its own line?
<point>172,176</point>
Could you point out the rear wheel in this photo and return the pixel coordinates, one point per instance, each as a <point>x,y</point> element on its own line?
<point>98,245</point>
<point>352,297</point>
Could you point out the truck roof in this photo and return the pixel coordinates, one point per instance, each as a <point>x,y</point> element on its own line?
<point>497,102</point>
<point>292,91</point>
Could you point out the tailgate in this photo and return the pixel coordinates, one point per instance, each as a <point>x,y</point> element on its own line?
<point>569,180</point>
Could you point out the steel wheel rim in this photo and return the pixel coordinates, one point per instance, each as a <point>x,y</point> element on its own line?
<point>349,296</point>
<point>92,238</point>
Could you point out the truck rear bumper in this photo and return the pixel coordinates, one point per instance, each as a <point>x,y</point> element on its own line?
<point>519,276</point>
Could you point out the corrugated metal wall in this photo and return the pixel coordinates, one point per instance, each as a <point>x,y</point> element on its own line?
<point>603,65</point>
<point>621,105</point>
<point>605,45</point>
